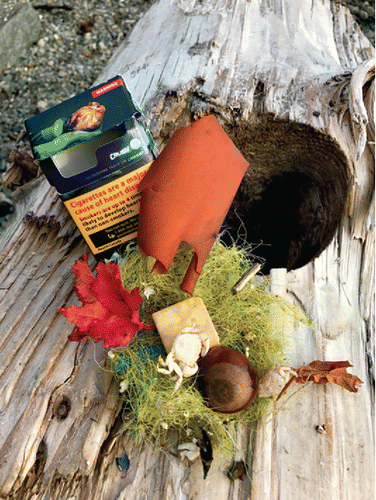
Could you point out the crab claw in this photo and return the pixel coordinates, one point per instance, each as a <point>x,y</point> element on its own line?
<point>205,344</point>
<point>188,371</point>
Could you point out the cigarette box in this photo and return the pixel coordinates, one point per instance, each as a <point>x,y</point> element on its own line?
<point>94,149</point>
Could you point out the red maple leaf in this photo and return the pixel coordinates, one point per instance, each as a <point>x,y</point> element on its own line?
<point>109,312</point>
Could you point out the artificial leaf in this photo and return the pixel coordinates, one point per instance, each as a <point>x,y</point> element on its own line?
<point>323,372</point>
<point>84,281</point>
<point>109,312</point>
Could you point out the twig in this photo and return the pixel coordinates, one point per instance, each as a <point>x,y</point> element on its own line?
<point>240,284</point>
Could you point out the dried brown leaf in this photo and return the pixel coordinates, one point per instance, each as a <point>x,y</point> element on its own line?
<point>323,372</point>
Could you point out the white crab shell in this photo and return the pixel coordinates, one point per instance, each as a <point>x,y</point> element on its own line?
<point>187,348</point>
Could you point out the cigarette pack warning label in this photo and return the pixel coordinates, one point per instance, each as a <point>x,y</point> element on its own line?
<point>108,215</point>
<point>106,88</point>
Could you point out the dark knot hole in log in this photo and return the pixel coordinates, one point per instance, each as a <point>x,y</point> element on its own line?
<point>62,408</point>
<point>294,194</point>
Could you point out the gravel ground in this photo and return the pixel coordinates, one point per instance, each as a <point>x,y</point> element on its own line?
<point>77,38</point>
<point>364,14</point>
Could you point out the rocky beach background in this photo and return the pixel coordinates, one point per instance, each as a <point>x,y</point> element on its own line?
<point>51,50</point>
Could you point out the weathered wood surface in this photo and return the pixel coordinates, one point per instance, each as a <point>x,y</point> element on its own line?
<point>182,59</point>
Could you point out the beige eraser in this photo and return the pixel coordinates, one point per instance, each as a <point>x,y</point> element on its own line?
<point>190,314</point>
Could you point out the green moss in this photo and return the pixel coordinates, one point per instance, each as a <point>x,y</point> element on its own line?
<point>253,321</point>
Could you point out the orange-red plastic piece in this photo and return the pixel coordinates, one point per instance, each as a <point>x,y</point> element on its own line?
<point>186,195</point>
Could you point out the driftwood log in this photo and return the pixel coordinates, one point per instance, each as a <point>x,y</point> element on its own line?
<point>293,84</point>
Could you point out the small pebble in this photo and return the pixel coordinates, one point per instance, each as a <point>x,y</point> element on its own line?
<point>321,429</point>
<point>42,105</point>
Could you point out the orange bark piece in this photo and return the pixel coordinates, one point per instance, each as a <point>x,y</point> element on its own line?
<point>186,195</point>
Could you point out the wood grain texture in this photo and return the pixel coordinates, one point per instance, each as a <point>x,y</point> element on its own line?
<point>183,59</point>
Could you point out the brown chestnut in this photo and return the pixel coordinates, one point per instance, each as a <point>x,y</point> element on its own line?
<point>229,382</point>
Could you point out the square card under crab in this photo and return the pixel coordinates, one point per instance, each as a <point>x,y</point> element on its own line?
<point>188,316</point>
<point>187,332</point>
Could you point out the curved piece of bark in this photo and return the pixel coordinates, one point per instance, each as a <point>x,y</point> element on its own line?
<point>185,59</point>
<point>174,192</point>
